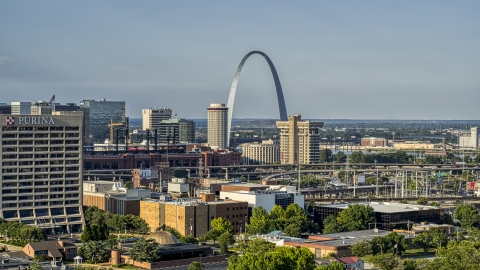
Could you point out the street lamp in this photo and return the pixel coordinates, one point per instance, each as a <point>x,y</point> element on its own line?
<point>191,228</point>
<point>240,227</point>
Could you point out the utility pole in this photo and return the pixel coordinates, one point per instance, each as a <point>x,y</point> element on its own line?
<point>377,177</point>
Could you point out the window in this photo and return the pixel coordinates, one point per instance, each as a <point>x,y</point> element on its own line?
<point>41,212</point>
<point>72,210</point>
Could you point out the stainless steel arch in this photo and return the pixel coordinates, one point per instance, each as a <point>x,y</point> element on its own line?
<point>278,87</point>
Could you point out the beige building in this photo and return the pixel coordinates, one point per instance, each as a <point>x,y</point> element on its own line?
<point>152,117</point>
<point>193,216</point>
<point>217,126</point>
<point>113,197</point>
<point>41,165</point>
<point>469,140</point>
<point>299,141</point>
<point>412,145</point>
<point>265,153</point>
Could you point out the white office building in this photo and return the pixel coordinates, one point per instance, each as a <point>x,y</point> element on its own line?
<point>152,117</point>
<point>467,140</point>
<point>268,152</point>
<point>265,198</point>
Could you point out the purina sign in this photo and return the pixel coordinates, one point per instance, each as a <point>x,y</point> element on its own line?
<point>29,120</point>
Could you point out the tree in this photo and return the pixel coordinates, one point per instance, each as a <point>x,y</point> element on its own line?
<point>221,225</point>
<point>424,240</point>
<point>385,261</point>
<point>179,173</point>
<point>357,157</point>
<point>361,248</point>
<point>468,215</point>
<point>95,250</point>
<point>439,238</point>
<point>394,239</point>
<point>422,201</point>
<point>35,266</point>
<point>188,239</point>
<point>356,217</point>
<point>224,241</point>
<point>457,255</point>
<point>173,231</point>
<point>144,250</point>
<point>259,246</point>
<point>259,222</point>
<point>379,245</point>
<point>331,266</point>
<point>195,266</point>
<point>330,225</point>
<point>340,157</point>
<point>325,155</point>
<point>311,204</point>
<point>212,235</point>
<point>277,217</point>
<point>128,184</point>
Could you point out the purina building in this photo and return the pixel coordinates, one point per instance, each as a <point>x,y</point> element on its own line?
<point>41,163</point>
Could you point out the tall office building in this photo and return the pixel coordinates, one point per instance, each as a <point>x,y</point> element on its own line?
<point>152,117</point>
<point>299,141</point>
<point>100,114</point>
<point>21,107</point>
<point>41,170</point>
<point>469,140</point>
<point>217,126</point>
<point>180,130</point>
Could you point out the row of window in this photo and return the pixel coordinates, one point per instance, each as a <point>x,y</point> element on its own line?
<point>38,197</point>
<point>39,190</point>
<point>40,162</point>
<point>38,183</point>
<point>40,156</point>
<point>30,204</point>
<point>39,149</point>
<point>40,135</point>
<point>40,212</point>
<point>40,176</point>
<point>39,128</point>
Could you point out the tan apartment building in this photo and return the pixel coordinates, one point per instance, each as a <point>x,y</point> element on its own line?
<point>152,117</point>
<point>299,141</point>
<point>193,216</point>
<point>265,153</point>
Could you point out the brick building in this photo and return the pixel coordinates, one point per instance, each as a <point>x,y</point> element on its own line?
<point>374,142</point>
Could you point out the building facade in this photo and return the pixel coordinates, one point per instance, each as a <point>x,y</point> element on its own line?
<point>101,113</point>
<point>374,142</point>
<point>265,198</point>
<point>180,130</point>
<point>217,126</point>
<point>299,141</point>
<point>265,153</point>
<point>152,117</point>
<point>469,140</point>
<point>21,107</point>
<point>41,170</point>
<point>193,216</point>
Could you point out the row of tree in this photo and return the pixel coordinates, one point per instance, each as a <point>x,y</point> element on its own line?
<point>354,217</point>
<point>21,233</point>
<point>292,221</point>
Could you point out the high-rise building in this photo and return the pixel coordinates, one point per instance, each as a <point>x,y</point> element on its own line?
<point>41,165</point>
<point>469,140</point>
<point>5,108</point>
<point>152,117</point>
<point>101,113</point>
<point>299,141</point>
<point>21,107</point>
<point>180,130</point>
<point>217,126</point>
<point>267,152</point>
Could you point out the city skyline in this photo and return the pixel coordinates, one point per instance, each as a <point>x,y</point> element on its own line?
<point>370,60</point>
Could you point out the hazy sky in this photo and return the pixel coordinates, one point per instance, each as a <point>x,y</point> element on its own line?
<point>335,59</point>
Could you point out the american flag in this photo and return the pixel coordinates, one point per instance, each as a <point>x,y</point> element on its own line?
<point>52,99</point>
<point>9,120</point>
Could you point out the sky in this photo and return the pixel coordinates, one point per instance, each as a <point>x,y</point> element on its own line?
<point>335,59</point>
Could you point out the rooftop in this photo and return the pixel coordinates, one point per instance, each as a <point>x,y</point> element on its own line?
<point>386,207</point>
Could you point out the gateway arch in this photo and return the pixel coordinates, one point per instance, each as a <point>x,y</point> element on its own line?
<point>278,87</point>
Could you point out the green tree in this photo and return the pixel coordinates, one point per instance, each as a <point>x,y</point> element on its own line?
<point>357,157</point>
<point>277,217</point>
<point>394,239</point>
<point>331,266</point>
<point>439,238</point>
<point>179,173</point>
<point>325,155</point>
<point>144,250</point>
<point>330,225</point>
<point>259,222</point>
<point>468,215</point>
<point>361,248</point>
<point>188,239</point>
<point>424,240</point>
<point>286,258</point>
<point>95,251</point>
<point>356,217</point>
<point>259,246</point>
<point>457,255</point>
<point>35,266</point>
<point>221,225</point>
<point>311,204</point>
<point>212,235</point>
<point>340,157</point>
<point>173,231</point>
<point>195,266</point>
<point>128,184</point>
<point>385,261</point>
<point>422,201</point>
<point>224,241</point>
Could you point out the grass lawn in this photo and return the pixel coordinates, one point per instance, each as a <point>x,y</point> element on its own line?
<point>416,252</point>
<point>125,266</point>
